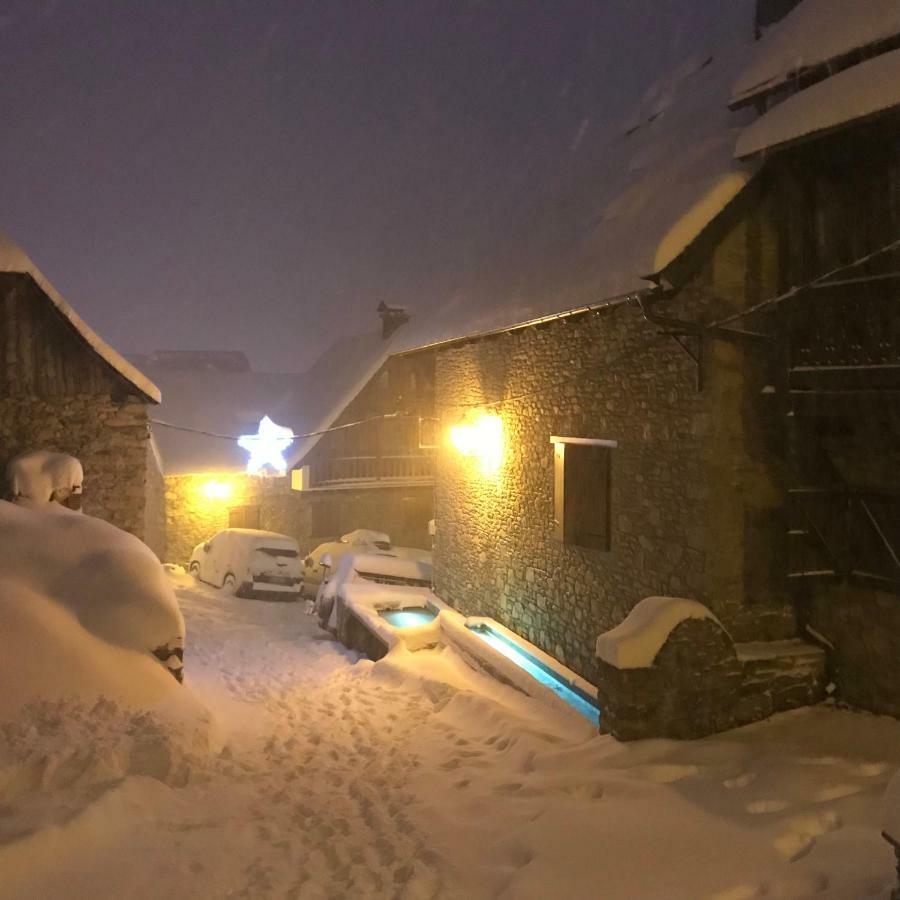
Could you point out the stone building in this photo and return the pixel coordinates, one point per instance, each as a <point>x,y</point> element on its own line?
<point>62,388</point>
<point>728,433</point>
<point>682,381</point>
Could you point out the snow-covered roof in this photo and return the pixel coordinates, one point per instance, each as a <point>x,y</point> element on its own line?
<point>232,403</point>
<point>815,32</point>
<point>14,259</point>
<point>855,93</point>
<point>630,197</point>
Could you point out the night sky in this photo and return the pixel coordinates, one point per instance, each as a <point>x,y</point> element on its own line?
<point>258,175</point>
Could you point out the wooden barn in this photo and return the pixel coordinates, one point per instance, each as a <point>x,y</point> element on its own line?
<point>63,388</point>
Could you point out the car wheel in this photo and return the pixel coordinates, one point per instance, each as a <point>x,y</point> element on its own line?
<point>229,584</point>
<point>194,569</point>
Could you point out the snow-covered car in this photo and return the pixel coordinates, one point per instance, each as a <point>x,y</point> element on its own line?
<point>363,540</point>
<point>251,563</point>
<point>368,568</point>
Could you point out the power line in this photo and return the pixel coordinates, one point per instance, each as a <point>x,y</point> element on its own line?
<point>306,434</point>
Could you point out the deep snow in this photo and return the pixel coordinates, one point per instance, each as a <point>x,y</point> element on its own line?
<point>416,777</point>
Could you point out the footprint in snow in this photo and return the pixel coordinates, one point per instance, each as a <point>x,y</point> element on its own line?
<point>740,781</point>
<point>766,806</point>
<point>802,833</point>
<point>835,792</point>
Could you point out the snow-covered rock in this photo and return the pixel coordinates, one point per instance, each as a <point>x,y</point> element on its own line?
<point>634,643</point>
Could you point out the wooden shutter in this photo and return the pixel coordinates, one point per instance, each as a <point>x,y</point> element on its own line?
<point>582,483</point>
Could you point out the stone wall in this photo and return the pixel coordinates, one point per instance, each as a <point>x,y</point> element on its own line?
<point>701,683</point>
<point>109,437</point>
<point>192,516</point>
<point>863,627</point>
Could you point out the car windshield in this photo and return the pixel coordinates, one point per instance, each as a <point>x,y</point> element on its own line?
<point>278,551</point>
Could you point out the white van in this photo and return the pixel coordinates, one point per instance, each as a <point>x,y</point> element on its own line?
<point>251,563</point>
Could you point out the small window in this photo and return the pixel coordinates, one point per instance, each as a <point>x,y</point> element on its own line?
<point>581,491</point>
<point>243,517</point>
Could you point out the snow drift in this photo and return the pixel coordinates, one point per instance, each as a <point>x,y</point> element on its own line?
<point>83,606</point>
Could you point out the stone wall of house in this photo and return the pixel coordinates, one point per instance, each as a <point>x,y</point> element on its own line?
<point>109,437</point>
<point>697,477</point>
<point>310,517</point>
<point>192,515</point>
<point>863,628</point>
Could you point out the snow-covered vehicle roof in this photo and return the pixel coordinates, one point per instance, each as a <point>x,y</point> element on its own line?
<point>14,259</point>
<point>365,536</point>
<point>815,33</point>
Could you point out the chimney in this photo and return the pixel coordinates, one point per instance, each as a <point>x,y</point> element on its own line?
<point>392,317</point>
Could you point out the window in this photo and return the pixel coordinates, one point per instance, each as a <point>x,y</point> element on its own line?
<point>582,481</point>
<point>243,517</point>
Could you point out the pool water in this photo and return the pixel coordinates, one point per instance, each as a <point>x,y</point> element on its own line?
<point>408,618</point>
<point>579,700</point>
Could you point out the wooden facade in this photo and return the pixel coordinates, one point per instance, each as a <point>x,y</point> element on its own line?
<point>379,474</point>
<point>43,355</point>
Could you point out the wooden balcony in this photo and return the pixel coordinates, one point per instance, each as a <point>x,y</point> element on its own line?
<point>365,472</point>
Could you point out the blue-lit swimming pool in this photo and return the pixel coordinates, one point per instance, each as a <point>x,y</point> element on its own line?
<point>408,618</point>
<point>579,700</point>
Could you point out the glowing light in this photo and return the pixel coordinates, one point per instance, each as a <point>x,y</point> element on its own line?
<point>267,446</point>
<point>482,439</point>
<point>217,490</point>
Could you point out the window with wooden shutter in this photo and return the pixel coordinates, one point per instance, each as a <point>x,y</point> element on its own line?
<point>582,488</point>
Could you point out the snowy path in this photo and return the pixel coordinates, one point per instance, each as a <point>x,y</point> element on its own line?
<point>418,778</point>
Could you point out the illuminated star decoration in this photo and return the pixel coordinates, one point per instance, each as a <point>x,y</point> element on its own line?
<point>267,446</point>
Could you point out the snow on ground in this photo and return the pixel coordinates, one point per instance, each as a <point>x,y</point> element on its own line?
<point>416,777</point>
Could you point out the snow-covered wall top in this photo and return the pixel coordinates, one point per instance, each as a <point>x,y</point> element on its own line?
<point>14,259</point>
<point>630,195</point>
<point>866,89</point>
<point>634,643</point>
<point>815,32</point>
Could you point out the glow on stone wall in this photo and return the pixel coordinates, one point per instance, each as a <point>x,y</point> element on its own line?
<point>481,438</point>
<point>217,489</point>
<point>266,447</point>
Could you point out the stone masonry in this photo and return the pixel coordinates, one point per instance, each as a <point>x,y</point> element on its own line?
<point>109,437</point>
